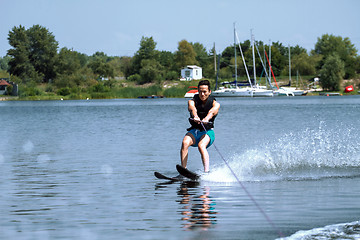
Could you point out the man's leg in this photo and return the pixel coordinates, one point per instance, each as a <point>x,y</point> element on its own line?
<point>205,140</point>
<point>186,143</point>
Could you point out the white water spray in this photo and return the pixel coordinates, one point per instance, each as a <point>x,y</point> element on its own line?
<point>309,154</point>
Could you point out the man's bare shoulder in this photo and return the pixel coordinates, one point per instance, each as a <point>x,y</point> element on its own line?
<point>191,101</point>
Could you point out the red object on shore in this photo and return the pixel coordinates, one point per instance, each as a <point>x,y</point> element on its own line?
<point>194,89</point>
<point>191,93</point>
<point>349,88</point>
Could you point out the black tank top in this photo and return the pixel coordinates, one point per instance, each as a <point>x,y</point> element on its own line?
<point>202,111</point>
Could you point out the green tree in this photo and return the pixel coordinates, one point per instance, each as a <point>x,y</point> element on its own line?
<point>69,61</point>
<point>300,61</point>
<point>166,59</point>
<point>357,64</point>
<point>228,60</point>
<point>226,56</point>
<point>202,56</point>
<point>303,63</point>
<point>34,53</point>
<point>83,77</point>
<point>71,69</point>
<point>19,64</point>
<point>185,55</point>
<point>100,55</point>
<point>43,51</point>
<point>146,51</point>
<point>328,45</point>
<point>332,73</point>
<point>297,50</point>
<point>205,60</point>
<point>101,68</point>
<point>279,58</point>
<point>4,63</point>
<point>126,66</point>
<point>116,64</point>
<point>151,71</point>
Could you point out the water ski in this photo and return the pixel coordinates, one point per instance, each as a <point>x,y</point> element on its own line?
<point>187,173</point>
<point>162,176</point>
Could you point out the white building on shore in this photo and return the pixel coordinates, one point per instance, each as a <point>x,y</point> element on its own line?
<point>191,72</point>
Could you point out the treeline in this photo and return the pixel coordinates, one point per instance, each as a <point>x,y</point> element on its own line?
<point>36,60</point>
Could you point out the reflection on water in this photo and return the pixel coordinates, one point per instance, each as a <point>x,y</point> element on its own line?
<point>197,210</point>
<point>33,187</point>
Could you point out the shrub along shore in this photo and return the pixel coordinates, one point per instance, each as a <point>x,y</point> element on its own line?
<point>112,89</point>
<point>108,89</point>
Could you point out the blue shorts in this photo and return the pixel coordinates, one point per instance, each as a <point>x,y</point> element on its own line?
<point>198,135</point>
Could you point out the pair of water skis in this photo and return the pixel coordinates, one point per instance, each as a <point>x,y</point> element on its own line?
<point>183,173</point>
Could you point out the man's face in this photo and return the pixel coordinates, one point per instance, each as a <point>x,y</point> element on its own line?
<point>204,92</point>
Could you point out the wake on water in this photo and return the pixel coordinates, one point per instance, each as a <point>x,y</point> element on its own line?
<point>309,154</point>
<point>336,231</point>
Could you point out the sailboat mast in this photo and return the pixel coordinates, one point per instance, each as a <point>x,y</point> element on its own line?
<point>268,79</point>
<point>289,67</point>
<point>217,73</point>
<point>253,52</point>
<point>269,56</point>
<point>235,56</point>
<point>264,66</point>
<point>214,52</point>
<point>242,56</point>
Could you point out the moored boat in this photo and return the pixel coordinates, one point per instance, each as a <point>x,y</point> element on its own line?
<point>232,92</point>
<point>235,91</point>
<point>192,92</point>
<point>295,91</point>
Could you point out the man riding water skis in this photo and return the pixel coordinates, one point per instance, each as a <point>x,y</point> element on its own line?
<point>203,109</point>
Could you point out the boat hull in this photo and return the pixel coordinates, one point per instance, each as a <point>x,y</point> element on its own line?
<point>262,93</point>
<point>242,92</point>
<point>296,92</point>
<point>232,92</point>
<point>189,95</point>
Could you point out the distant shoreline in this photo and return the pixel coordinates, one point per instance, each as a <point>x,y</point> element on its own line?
<point>166,89</point>
<point>60,98</point>
<point>8,98</point>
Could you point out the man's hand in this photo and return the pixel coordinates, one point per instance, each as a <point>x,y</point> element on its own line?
<point>205,121</point>
<point>197,120</point>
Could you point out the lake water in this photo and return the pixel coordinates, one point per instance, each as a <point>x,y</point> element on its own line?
<point>84,170</point>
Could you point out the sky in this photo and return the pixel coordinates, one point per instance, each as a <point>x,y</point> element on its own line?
<point>116,27</point>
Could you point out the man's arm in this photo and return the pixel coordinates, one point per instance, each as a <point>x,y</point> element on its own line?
<point>193,111</point>
<point>212,112</point>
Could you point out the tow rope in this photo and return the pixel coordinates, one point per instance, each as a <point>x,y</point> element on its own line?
<point>268,219</point>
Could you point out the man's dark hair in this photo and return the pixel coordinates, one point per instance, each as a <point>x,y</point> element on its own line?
<point>204,82</point>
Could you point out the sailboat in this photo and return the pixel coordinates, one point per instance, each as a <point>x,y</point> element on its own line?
<point>234,90</point>
<point>294,90</point>
<point>259,91</point>
<point>276,90</point>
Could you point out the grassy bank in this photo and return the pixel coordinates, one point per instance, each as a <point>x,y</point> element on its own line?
<point>127,89</point>
<point>122,89</point>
